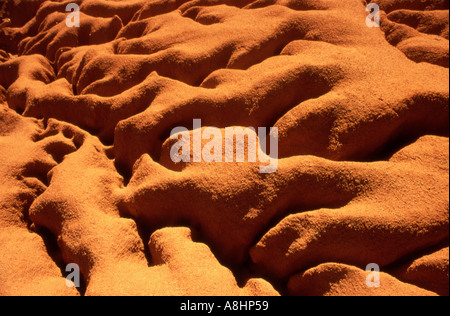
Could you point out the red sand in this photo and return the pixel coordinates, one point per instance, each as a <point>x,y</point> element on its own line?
<point>86,175</point>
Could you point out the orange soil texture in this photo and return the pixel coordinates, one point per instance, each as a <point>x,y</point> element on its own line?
<point>363,175</point>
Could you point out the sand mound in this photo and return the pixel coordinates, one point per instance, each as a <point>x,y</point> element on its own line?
<point>332,279</point>
<point>418,28</point>
<point>86,175</point>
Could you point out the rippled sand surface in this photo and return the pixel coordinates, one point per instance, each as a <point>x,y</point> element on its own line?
<point>86,176</point>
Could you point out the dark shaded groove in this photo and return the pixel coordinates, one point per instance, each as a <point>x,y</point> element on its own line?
<point>395,144</point>
<point>55,254</point>
<point>49,240</point>
<point>145,231</point>
<point>37,171</point>
<point>390,148</point>
<point>124,172</point>
<point>280,283</point>
<point>19,111</point>
<point>293,210</point>
<point>417,255</point>
<point>145,237</point>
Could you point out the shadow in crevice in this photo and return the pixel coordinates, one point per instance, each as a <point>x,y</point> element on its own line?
<point>416,255</point>
<point>397,143</point>
<point>55,254</point>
